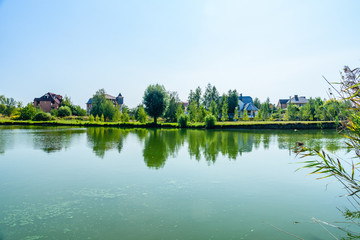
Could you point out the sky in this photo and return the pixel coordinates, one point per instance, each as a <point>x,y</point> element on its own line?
<point>261,48</point>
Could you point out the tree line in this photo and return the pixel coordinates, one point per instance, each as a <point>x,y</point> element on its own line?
<point>202,106</point>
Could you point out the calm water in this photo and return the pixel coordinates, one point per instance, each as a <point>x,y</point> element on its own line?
<point>103,183</point>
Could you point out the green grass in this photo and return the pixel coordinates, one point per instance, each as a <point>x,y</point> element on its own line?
<point>219,125</point>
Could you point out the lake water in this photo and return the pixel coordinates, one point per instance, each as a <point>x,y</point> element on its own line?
<point>107,183</point>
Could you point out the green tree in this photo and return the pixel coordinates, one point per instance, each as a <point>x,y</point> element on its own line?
<point>246,116</point>
<point>233,100</point>
<point>291,112</point>
<point>64,111</point>
<point>224,112</point>
<point>236,113</point>
<point>75,109</point>
<point>179,110</point>
<point>195,96</point>
<point>174,102</point>
<point>211,94</point>
<point>102,119</point>
<point>142,115</point>
<point>193,110</point>
<point>91,118</point>
<point>28,112</point>
<point>155,101</point>
<point>213,109</point>
<point>257,103</point>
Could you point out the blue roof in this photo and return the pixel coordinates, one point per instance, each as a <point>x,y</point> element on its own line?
<point>283,101</point>
<point>246,99</point>
<point>90,101</point>
<point>250,107</point>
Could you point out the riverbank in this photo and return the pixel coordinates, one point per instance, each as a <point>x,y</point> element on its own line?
<point>219,125</point>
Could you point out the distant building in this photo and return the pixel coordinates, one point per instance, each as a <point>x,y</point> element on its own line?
<point>117,101</point>
<point>48,101</point>
<point>296,100</point>
<point>246,104</point>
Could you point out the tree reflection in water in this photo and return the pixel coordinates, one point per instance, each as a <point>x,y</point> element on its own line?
<point>104,139</point>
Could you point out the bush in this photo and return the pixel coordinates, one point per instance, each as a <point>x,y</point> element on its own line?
<point>27,112</point>
<point>54,112</point>
<point>210,121</point>
<point>183,120</point>
<point>91,118</point>
<point>64,111</point>
<point>42,116</point>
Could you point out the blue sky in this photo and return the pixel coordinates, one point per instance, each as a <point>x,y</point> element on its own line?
<point>261,48</point>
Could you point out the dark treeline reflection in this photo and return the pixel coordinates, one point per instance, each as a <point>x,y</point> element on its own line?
<point>103,139</point>
<point>53,139</point>
<point>160,144</point>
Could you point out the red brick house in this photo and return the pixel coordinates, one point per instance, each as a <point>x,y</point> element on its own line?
<point>48,101</point>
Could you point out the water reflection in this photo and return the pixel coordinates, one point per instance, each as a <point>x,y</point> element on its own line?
<point>53,139</point>
<point>160,144</point>
<point>104,139</point>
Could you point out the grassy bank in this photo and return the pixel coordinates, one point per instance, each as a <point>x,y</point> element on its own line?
<point>219,125</point>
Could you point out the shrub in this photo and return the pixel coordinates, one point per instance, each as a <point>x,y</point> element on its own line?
<point>102,118</point>
<point>210,121</point>
<point>91,118</point>
<point>97,118</point>
<point>54,112</point>
<point>125,117</point>
<point>64,111</point>
<point>42,116</point>
<point>27,112</point>
<point>183,120</point>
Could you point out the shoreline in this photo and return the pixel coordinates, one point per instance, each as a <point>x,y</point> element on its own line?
<point>219,125</point>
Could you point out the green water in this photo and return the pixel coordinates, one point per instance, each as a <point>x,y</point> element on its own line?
<point>104,183</point>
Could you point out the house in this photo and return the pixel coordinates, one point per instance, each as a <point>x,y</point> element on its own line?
<point>246,104</point>
<point>48,101</point>
<point>117,101</point>
<point>296,100</point>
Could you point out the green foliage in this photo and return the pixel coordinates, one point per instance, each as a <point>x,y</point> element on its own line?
<point>102,118</point>
<point>192,109</point>
<point>257,103</point>
<point>232,100</point>
<point>236,113</point>
<point>195,97</point>
<point>213,108</point>
<point>210,121</point>
<point>42,116</point>
<point>28,112</point>
<point>91,118</point>
<point>246,116</point>
<point>201,114</point>
<point>179,110</point>
<point>155,101</point>
<point>75,109</point>
<point>101,106</point>
<point>224,111</point>
<point>125,117</point>
<point>211,94</point>
<point>174,102</point>
<point>116,116</point>
<point>54,112</point>
<point>64,111</point>
<point>183,120</point>
<point>291,112</point>
<point>97,119</point>
<point>141,115</point>
<point>10,106</point>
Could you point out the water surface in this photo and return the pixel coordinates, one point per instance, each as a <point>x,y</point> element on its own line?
<point>107,183</point>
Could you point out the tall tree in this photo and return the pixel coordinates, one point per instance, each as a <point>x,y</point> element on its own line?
<point>211,94</point>
<point>173,103</point>
<point>155,101</point>
<point>233,100</point>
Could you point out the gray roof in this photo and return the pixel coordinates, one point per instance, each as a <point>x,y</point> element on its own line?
<point>299,100</point>
<point>245,99</point>
<point>119,99</point>
<point>250,107</point>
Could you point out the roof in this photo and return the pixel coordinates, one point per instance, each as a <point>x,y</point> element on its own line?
<point>52,97</point>
<point>119,99</point>
<point>283,101</point>
<point>299,100</point>
<point>250,107</point>
<point>246,99</point>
